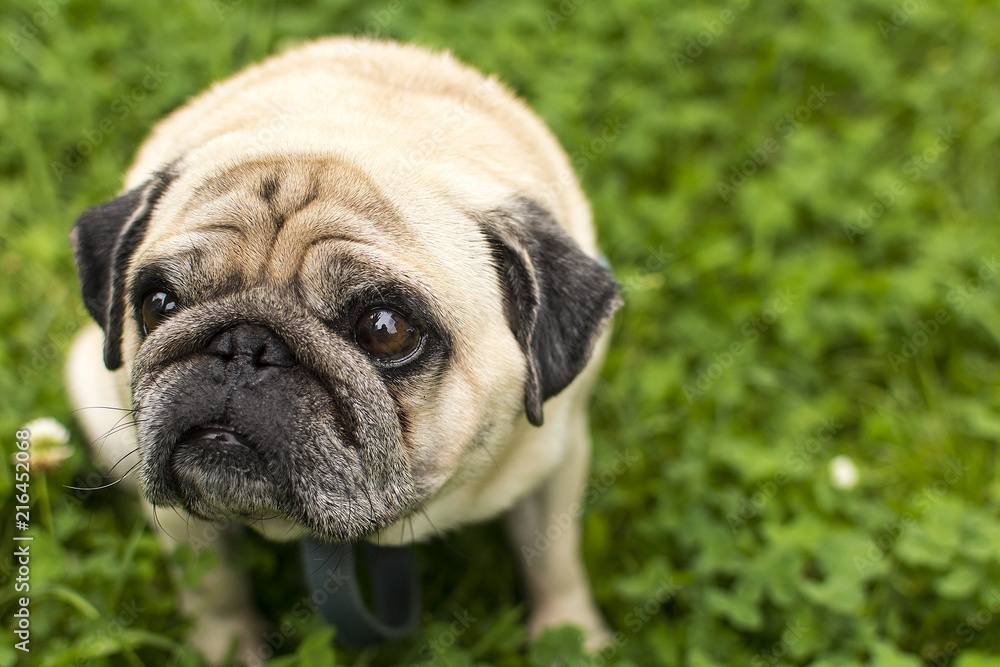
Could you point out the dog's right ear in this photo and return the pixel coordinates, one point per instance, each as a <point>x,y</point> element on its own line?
<point>103,240</point>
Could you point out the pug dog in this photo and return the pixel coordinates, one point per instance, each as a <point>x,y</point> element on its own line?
<point>352,293</point>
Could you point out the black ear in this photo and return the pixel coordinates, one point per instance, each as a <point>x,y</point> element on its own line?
<point>103,240</point>
<point>557,298</point>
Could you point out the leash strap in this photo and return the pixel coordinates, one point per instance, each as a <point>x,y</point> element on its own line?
<point>331,570</point>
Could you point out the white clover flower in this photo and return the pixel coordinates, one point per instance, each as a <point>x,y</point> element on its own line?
<point>48,444</point>
<point>843,472</point>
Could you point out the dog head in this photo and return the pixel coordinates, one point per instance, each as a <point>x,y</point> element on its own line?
<point>312,341</point>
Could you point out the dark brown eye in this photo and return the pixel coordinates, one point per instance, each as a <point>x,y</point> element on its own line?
<point>156,307</point>
<point>386,335</point>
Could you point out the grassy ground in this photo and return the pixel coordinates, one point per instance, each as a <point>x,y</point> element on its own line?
<point>800,199</point>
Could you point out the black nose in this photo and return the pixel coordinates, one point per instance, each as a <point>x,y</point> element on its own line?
<point>253,344</point>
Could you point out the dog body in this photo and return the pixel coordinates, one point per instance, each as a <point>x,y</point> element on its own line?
<point>336,293</point>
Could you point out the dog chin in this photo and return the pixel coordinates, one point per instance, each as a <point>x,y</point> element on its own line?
<point>217,473</point>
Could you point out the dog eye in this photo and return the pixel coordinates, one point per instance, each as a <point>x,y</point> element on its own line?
<point>156,307</point>
<point>386,335</point>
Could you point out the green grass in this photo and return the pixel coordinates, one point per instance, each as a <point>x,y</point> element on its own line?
<point>801,202</point>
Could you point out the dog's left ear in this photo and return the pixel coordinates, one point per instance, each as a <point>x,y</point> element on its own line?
<point>103,240</point>
<point>557,298</point>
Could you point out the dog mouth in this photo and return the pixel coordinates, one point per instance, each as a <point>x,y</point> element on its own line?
<point>219,435</point>
<point>214,445</point>
<point>218,470</point>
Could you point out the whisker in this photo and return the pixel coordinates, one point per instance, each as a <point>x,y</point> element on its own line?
<point>134,466</point>
<point>100,407</point>
<point>159,525</point>
<point>105,486</point>
<point>93,488</point>
<point>444,538</point>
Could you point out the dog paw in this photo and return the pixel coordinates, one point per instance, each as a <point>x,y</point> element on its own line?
<point>214,638</point>
<point>577,612</point>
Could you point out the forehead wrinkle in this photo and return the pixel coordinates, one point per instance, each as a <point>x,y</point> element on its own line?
<point>344,260</point>
<point>336,268</point>
<point>280,208</point>
<point>194,257</point>
<point>208,240</point>
<point>244,221</point>
<point>318,223</point>
<point>287,184</point>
